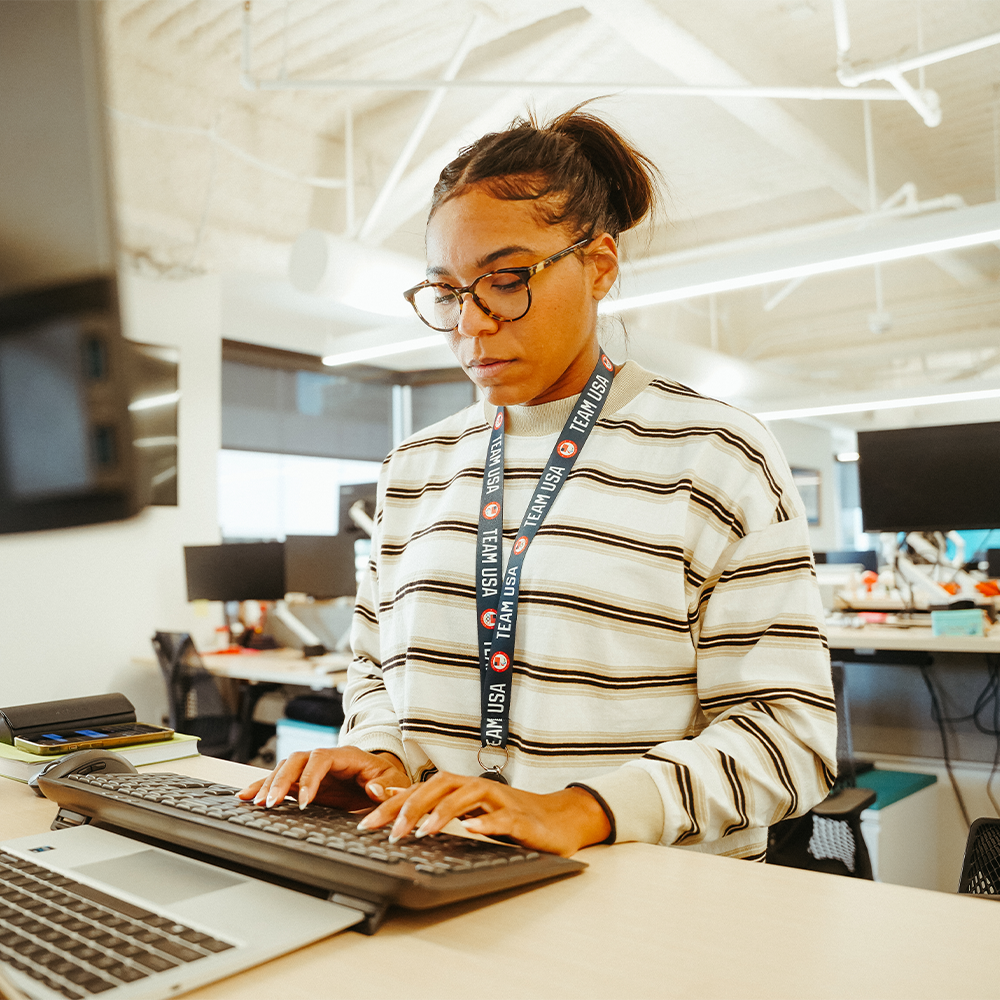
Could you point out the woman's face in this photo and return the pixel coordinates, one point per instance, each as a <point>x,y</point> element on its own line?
<point>551,351</point>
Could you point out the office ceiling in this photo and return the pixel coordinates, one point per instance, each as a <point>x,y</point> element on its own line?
<point>221,165</point>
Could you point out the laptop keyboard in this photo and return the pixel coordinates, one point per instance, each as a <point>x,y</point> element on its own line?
<point>80,941</point>
<point>320,846</point>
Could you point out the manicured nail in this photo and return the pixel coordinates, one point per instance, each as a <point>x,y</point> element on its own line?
<point>303,799</point>
<point>271,799</point>
<point>376,789</point>
<point>423,829</point>
<point>365,824</point>
<point>473,824</point>
<point>259,798</point>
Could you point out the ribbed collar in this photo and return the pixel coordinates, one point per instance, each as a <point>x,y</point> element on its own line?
<point>547,418</point>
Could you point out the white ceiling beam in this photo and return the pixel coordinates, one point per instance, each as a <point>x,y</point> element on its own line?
<point>684,56</point>
<point>557,53</point>
<point>666,43</point>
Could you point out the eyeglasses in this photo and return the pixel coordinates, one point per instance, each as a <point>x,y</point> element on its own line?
<point>503,295</point>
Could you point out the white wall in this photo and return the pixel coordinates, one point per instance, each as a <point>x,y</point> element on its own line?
<point>809,447</point>
<point>77,605</point>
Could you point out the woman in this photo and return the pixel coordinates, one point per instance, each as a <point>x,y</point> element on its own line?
<point>641,655</point>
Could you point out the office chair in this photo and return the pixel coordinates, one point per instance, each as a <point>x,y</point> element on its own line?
<point>828,837</point>
<point>981,868</point>
<point>196,702</point>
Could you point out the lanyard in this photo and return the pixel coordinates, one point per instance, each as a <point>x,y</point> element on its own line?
<point>496,596</point>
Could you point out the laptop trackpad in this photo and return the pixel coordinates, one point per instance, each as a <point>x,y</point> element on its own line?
<point>159,877</point>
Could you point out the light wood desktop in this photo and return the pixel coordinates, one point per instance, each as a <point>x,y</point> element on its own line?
<point>916,637</point>
<point>641,921</point>
<point>280,666</point>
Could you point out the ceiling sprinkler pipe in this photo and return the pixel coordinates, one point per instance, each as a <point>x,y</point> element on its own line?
<point>925,102</point>
<point>841,28</point>
<point>852,77</point>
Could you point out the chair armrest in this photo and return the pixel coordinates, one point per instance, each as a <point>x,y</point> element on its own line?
<point>848,802</point>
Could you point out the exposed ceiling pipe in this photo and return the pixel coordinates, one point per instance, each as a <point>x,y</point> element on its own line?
<point>924,101</point>
<point>250,82</point>
<point>857,75</point>
<point>419,130</point>
<point>842,29</point>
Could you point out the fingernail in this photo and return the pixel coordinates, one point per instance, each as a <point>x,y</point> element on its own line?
<point>303,799</point>
<point>472,824</point>
<point>364,824</point>
<point>423,829</point>
<point>376,789</point>
<point>259,799</point>
<point>395,791</point>
<point>271,799</point>
<point>393,839</point>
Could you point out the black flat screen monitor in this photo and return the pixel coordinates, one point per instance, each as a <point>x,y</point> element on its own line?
<point>238,571</point>
<point>930,478</point>
<point>321,566</point>
<point>866,558</point>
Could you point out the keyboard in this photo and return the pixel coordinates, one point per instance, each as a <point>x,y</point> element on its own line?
<point>79,941</point>
<point>319,849</point>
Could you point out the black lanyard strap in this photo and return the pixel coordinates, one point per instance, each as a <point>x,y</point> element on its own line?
<point>496,593</point>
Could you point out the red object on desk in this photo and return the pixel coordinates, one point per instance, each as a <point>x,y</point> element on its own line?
<point>873,617</point>
<point>236,651</point>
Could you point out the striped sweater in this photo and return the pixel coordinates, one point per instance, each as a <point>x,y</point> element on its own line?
<point>669,654</point>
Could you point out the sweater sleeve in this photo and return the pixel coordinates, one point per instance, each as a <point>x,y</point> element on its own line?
<point>370,720</point>
<point>768,747</point>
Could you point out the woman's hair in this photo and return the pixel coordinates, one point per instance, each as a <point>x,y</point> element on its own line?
<point>577,169</point>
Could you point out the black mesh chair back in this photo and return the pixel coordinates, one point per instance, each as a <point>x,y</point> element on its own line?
<point>981,869</point>
<point>196,704</point>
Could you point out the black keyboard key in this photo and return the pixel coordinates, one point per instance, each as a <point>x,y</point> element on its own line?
<point>110,902</point>
<point>178,951</point>
<point>126,973</point>
<point>154,962</point>
<point>214,945</point>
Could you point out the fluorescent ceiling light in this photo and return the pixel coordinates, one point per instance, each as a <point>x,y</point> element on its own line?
<point>881,404</point>
<point>383,350</point>
<point>848,456</point>
<point>911,237</point>
<point>150,402</point>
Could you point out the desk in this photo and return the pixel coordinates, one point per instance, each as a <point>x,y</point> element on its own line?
<point>917,638</point>
<point>642,921</point>
<point>281,666</point>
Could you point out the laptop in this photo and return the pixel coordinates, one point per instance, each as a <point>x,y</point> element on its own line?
<point>85,912</point>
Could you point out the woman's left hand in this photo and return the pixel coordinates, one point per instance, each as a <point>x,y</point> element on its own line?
<point>560,822</point>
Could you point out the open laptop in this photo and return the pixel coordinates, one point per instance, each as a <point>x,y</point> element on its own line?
<point>86,912</point>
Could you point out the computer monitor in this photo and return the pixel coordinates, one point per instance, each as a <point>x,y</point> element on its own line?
<point>321,566</point>
<point>350,494</point>
<point>236,571</point>
<point>930,478</point>
<point>861,557</point>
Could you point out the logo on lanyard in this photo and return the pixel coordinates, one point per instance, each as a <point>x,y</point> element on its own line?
<point>497,636</point>
<point>499,662</point>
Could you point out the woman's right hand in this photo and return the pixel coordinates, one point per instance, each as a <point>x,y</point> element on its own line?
<point>340,776</point>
